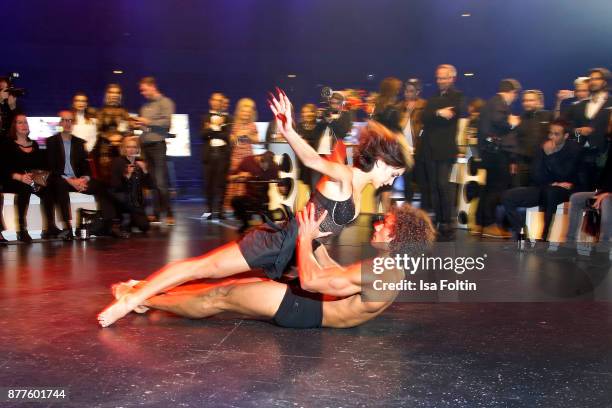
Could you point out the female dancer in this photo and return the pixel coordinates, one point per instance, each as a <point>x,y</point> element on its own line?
<point>378,159</point>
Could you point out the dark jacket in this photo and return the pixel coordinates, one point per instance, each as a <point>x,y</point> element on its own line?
<point>561,166</point>
<point>78,156</point>
<point>15,160</point>
<point>340,127</point>
<point>532,132</point>
<point>132,187</point>
<point>605,180</point>
<point>439,138</point>
<point>494,126</point>
<point>390,117</point>
<point>577,118</point>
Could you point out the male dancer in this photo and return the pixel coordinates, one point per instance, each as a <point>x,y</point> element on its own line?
<point>405,230</point>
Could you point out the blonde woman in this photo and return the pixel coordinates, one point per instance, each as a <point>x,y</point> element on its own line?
<point>243,133</point>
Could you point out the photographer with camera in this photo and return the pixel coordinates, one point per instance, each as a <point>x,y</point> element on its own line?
<point>333,121</point>
<point>9,107</point>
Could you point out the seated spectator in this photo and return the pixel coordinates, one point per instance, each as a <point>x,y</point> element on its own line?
<point>21,157</point>
<point>104,152</point>
<point>260,167</point>
<point>85,121</point>
<point>602,200</point>
<point>129,176</point>
<point>553,178</point>
<point>67,159</point>
<point>531,133</point>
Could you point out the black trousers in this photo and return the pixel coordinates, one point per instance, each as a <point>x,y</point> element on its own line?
<point>497,164</point>
<point>548,197</point>
<point>438,173</point>
<point>157,163</point>
<point>418,175</point>
<point>22,201</point>
<point>245,206</point>
<point>61,189</point>
<point>216,161</point>
<point>136,215</point>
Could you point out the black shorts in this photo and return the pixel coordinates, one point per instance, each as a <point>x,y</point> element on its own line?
<point>271,248</point>
<point>299,309</point>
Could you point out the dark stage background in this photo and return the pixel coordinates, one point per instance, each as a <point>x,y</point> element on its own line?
<point>245,47</point>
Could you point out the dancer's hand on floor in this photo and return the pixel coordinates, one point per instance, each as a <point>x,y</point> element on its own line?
<point>309,224</point>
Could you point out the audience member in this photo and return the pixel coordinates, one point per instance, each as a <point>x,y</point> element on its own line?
<point>307,128</point>
<point>155,120</point>
<point>129,177</point>
<point>567,101</point>
<point>590,123</point>
<point>333,122</point>
<point>85,120</point>
<point>113,117</point>
<point>498,147</point>
<point>411,123</point>
<point>531,133</point>
<point>553,177</point>
<point>243,134</point>
<point>216,151</point>
<point>9,107</point>
<point>70,171</point>
<point>439,145</point>
<point>256,170</point>
<point>23,162</point>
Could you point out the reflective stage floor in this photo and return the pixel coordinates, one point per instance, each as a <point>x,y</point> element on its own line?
<point>428,354</point>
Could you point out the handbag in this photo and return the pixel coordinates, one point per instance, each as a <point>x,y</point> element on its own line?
<point>40,177</point>
<point>592,219</point>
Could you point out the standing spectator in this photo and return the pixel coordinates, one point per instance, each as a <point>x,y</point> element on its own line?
<point>387,112</point>
<point>497,145</point>
<point>531,133</point>
<point>113,117</point>
<point>67,159</point>
<point>554,178</point>
<point>567,100</point>
<point>307,128</point>
<point>243,134</point>
<point>21,157</point>
<point>129,176</point>
<point>216,151</point>
<point>85,121</point>
<point>590,123</point>
<point>439,142</point>
<point>155,120</point>
<point>411,123</point>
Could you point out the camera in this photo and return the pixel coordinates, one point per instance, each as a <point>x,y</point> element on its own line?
<point>12,89</point>
<point>332,102</point>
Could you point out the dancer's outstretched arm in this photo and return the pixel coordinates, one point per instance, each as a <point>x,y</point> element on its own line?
<point>281,107</point>
<point>334,280</point>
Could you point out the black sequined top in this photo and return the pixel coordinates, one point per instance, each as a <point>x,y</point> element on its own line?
<point>339,213</point>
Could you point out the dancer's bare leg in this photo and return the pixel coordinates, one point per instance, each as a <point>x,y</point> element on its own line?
<point>255,299</point>
<point>222,262</point>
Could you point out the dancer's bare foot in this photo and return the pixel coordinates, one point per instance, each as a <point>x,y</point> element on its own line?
<point>123,288</point>
<point>116,310</point>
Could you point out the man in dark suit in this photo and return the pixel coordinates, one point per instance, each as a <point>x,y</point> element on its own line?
<point>589,121</point>
<point>70,171</point>
<point>498,150</point>
<point>216,152</point>
<point>439,145</point>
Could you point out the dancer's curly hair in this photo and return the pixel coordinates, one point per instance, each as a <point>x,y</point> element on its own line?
<point>413,231</point>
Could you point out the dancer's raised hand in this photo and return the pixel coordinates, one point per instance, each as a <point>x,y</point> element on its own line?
<point>281,108</point>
